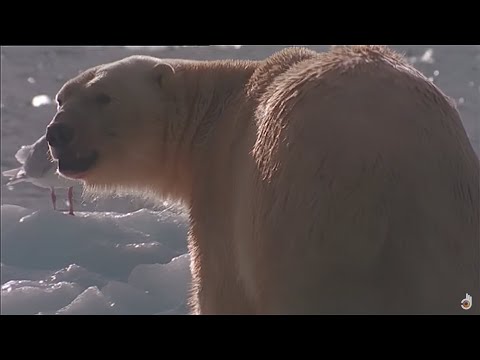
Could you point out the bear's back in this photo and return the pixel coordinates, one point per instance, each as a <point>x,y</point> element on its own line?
<point>366,164</point>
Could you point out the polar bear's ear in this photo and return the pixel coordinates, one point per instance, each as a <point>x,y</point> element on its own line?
<point>163,72</point>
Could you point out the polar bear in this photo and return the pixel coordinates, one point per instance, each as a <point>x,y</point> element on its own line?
<point>317,183</point>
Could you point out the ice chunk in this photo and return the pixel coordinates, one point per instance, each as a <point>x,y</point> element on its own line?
<point>167,227</point>
<point>50,258</point>
<point>169,283</point>
<point>427,57</point>
<point>31,297</point>
<point>89,302</point>
<point>129,299</point>
<point>17,273</point>
<point>77,274</point>
<point>52,240</point>
<point>41,100</point>
<point>11,215</point>
<point>182,309</point>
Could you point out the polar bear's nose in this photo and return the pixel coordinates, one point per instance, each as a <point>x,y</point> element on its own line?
<point>59,135</point>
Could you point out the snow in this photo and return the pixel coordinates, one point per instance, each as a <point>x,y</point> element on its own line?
<point>94,262</point>
<point>25,297</point>
<point>90,302</point>
<point>167,282</point>
<point>41,100</point>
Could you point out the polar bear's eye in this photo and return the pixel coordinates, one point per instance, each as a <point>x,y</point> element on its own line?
<point>103,99</point>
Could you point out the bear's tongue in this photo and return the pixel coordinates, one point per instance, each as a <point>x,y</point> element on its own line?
<point>71,163</point>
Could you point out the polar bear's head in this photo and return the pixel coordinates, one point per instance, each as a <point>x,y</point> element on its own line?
<point>113,122</point>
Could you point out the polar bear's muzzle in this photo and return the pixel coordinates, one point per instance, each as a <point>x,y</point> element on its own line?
<point>75,165</point>
<point>71,162</point>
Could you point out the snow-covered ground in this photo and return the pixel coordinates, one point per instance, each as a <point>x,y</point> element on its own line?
<point>94,262</point>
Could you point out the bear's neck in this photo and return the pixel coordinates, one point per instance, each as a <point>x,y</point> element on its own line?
<point>221,116</point>
<point>214,106</point>
<point>215,87</point>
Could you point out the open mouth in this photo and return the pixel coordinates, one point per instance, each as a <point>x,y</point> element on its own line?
<point>74,165</point>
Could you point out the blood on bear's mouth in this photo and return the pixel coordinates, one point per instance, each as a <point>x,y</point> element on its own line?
<point>73,165</point>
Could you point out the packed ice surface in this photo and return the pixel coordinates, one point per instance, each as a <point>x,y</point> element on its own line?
<point>94,262</point>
